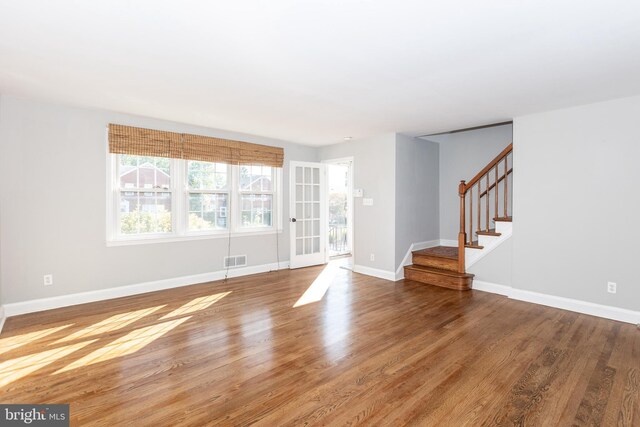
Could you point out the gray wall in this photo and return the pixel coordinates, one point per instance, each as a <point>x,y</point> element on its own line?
<point>575,202</point>
<point>496,266</point>
<point>417,193</point>
<point>374,170</point>
<point>53,198</point>
<point>462,155</point>
<point>1,204</point>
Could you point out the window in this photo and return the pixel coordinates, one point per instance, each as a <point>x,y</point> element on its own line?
<point>256,196</point>
<point>144,195</point>
<point>157,198</point>
<point>208,195</point>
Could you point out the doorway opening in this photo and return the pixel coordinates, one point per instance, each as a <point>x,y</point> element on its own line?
<point>340,207</point>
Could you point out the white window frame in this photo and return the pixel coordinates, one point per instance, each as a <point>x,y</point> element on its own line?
<point>180,208</point>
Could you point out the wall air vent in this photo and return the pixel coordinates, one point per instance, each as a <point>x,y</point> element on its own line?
<point>235,261</point>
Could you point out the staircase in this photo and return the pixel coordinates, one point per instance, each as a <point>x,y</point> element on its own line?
<point>438,266</point>
<point>485,211</point>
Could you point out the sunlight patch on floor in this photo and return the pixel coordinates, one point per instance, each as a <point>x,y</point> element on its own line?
<point>126,345</point>
<point>11,343</point>
<point>19,367</point>
<point>196,305</point>
<point>315,292</point>
<point>111,324</point>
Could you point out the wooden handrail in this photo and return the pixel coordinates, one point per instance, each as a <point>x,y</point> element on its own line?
<point>490,166</point>
<point>484,193</point>
<point>467,187</point>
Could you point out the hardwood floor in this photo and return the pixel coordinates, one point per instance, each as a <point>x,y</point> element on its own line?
<point>371,352</point>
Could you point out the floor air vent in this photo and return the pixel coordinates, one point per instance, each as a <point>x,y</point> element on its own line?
<point>235,261</point>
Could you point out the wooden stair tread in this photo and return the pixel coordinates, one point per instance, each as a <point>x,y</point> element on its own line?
<point>474,245</point>
<point>438,271</point>
<point>490,232</point>
<point>438,277</point>
<point>503,218</point>
<point>439,251</point>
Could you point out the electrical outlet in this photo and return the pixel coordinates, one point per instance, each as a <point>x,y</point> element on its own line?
<point>372,257</point>
<point>611,287</point>
<point>48,279</point>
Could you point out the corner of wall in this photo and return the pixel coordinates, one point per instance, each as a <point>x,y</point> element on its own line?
<point>2,318</point>
<point>374,172</point>
<point>407,258</point>
<point>416,194</point>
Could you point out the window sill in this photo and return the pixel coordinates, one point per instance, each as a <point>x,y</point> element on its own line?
<point>189,237</point>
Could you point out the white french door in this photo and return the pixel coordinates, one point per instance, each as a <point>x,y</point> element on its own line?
<point>307,222</point>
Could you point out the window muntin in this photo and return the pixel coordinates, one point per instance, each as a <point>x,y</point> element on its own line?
<point>257,210</point>
<point>256,178</point>
<point>207,176</point>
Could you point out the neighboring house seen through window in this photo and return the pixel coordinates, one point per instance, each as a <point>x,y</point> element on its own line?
<point>144,194</point>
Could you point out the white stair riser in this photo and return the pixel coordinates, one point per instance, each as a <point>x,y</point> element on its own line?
<point>471,253</point>
<point>486,240</point>
<point>503,227</point>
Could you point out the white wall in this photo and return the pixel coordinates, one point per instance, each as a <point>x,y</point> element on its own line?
<point>417,191</point>
<point>374,170</point>
<point>53,198</point>
<point>462,155</point>
<point>575,202</point>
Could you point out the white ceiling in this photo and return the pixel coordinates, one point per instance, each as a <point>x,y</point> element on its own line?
<point>316,71</point>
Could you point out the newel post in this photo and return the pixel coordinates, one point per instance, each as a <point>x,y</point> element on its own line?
<point>462,236</point>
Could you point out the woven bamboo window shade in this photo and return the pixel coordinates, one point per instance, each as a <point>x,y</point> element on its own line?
<point>157,143</point>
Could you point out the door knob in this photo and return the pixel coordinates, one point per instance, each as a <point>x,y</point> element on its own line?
<point>293,220</point>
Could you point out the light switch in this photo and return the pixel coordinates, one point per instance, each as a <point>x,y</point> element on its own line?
<point>367,202</point>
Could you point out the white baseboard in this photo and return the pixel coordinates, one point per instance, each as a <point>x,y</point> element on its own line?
<point>407,258</point>
<point>2,318</point>
<point>479,285</point>
<point>14,309</point>
<point>578,306</point>
<point>369,271</point>
<point>585,307</point>
<point>447,242</point>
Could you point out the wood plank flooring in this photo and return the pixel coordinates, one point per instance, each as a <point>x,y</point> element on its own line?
<point>370,352</point>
